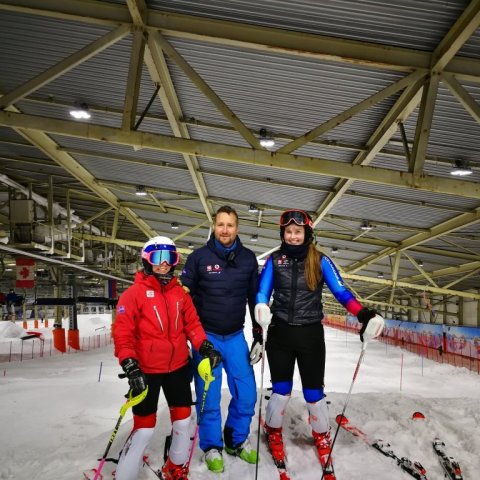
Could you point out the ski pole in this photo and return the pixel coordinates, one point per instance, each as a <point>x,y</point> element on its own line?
<point>132,401</point>
<point>372,331</point>
<point>205,371</point>
<point>262,370</point>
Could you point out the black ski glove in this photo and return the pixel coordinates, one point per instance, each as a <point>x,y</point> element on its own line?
<point>256,349</point>
<point>207,350</point>
<point>136,378</point>
<point>364,316</point>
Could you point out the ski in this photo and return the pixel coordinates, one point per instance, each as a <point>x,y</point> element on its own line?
<point>158,472</point>
<point>449,464</point>
<point>279,465</point>
<point>415,469</point>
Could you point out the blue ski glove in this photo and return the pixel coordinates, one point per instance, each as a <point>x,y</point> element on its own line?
<point>364,316</point>
<point>136,378</point>
<point>207,350</point>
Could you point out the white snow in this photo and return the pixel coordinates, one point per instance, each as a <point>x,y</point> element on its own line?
<point>56,417</point>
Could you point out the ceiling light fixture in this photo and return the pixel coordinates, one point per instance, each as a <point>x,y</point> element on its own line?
<point>174,225</point>
<point>266,138</point>
<point>461,169</point>
<point>80,112</point>
<point>190,245</point>
<point>140,191</point>
<point>380,275</point>
<point>253,208</point>
<point>334,250</point>
<point>420,263</point>
<point>254,238</point>
<point>365,226</point>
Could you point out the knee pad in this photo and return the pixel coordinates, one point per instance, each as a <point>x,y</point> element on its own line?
<point>276,410</point>
<point>148,421</point>
<point>179,413</point>
<point>131,457</point>
<point>282,388</point>
<point>318,416</point>
<point>180,446</point>
<point>313,395</point>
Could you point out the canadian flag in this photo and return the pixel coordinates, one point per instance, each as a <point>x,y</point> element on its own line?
<point>25,273</point>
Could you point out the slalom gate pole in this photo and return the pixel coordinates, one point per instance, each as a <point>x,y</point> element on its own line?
<point>264,341</point>
<point>205,372</point>
<point>357,368</point>
<point>132,401</point>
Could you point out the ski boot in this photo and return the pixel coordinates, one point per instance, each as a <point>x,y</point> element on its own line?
<point>323,444</point>
<point>275,445</point>
<point>170,471</point>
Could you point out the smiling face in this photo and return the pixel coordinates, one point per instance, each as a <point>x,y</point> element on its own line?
<point>162,269</point>
<point>294,234</point>
<point>226,228</point>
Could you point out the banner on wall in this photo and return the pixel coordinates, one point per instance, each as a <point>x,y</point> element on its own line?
<point>25,273</point>
<point>463,341</point>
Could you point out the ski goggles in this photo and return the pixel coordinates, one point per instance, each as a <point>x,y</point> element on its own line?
<point>157,257</point>
<point>297,216</point>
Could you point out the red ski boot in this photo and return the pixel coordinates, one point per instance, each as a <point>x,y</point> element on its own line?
<point>275,445</point>
<point>323,443</point>
<point>170,471</point>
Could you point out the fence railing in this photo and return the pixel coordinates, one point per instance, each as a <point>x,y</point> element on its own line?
<point>16,350</point>
<point>470,361</point>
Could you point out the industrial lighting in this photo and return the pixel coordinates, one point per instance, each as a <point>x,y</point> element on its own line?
<point>80,112</point>
<point>380,275</point>
<point>174,225</point>
<point>365,226</point>
<point>253,208</point>
<point>334,250</point>
<point>254,238</point>
<point>190,245</point>
<point>461,169</point>
<point>266,138</point>
<point>420,263</point>
<point>140,191</point>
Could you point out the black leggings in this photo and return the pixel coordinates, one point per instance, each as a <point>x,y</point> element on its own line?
<point>176,387</point>
<point>305,344</point>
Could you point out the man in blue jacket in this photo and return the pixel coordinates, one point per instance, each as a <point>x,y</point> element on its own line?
<point>221,277</point>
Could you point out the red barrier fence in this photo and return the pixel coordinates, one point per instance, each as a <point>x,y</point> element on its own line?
<point>470,361</point>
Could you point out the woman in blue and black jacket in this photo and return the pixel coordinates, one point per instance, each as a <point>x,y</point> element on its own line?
<point>296,274</point>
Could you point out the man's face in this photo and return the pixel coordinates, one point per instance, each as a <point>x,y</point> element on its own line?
<point>226,228</point>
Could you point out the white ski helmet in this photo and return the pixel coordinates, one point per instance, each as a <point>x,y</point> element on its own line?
<point>159,250</point>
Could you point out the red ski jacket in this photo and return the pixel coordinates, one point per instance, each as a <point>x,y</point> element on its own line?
<point>153,323</point>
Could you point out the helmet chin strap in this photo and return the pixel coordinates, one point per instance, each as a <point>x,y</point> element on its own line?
<point>163,278</point>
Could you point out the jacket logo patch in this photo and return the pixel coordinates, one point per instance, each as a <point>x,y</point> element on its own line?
<point>283,260</point>
<point>150,294</point>
<point>214,268</point>
<point>121,309</point>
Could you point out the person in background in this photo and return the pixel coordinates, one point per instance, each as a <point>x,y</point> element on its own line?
<point>222,277</point>
<point>155,318</point>
<point>296,273</point>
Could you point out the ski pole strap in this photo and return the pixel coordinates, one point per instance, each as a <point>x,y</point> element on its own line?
<point>132,401</point>
<point>205,371</point>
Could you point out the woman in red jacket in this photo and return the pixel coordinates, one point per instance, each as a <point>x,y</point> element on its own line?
<point>155,318</point>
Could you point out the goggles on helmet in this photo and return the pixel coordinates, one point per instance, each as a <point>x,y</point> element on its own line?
<point>297,216</point>
<point>157,257</point>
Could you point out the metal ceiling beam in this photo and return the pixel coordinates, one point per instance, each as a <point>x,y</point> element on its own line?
<point>424,124</point>
<point>133,80</point>
<point>242,35</point>
<point>468,102</point>
<point>64,66</point>
<point>401,284</point>
<point>447,271</point>
<point>211,95</point>
<point>460,32</point>
<point>47,146</point>
<point>420,269</point>
<point>243,155</point>
<point>402,108</point>
<point>450,225</point>
<point>351,112</point>
<point>396,265</point>
<point>160,74</point>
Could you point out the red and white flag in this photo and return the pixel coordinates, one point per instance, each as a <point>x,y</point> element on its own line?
<point>25,273</point>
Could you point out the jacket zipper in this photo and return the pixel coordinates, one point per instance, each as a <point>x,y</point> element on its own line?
<point>176,318</point>
<point>293,295</point>
<point>158,317</point>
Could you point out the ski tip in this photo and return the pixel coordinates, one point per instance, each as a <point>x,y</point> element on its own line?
<point>341,419</point>
<point>418,416</point>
